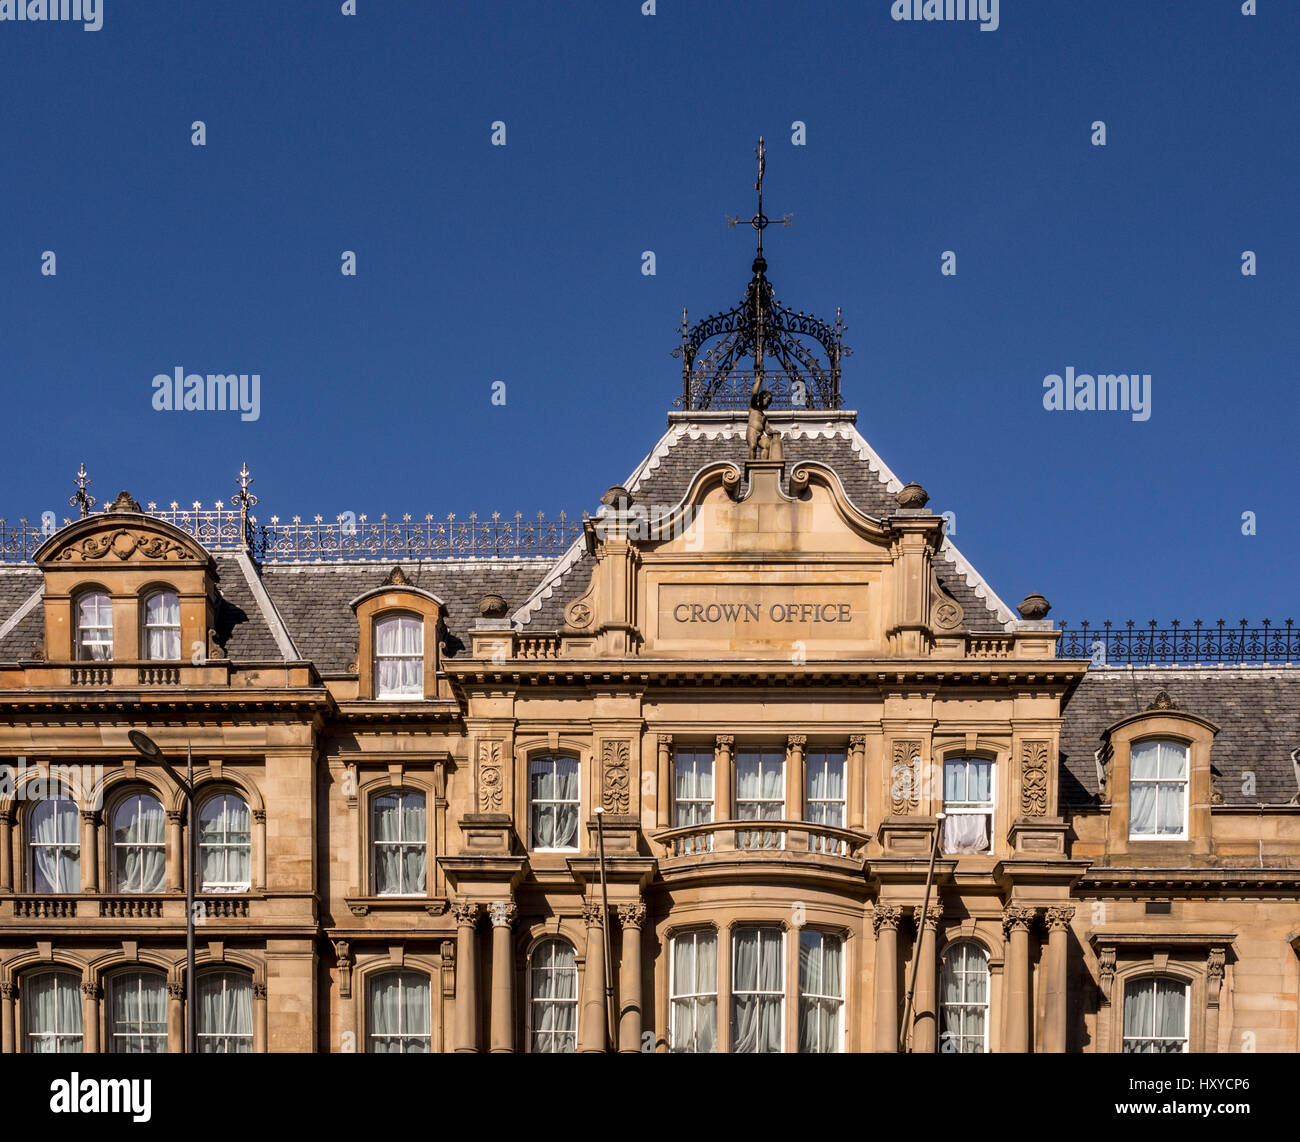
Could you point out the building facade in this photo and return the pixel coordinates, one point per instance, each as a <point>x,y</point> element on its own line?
<point>751,760</point>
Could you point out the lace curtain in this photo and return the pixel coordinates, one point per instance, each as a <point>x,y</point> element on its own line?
<point>55,847</point>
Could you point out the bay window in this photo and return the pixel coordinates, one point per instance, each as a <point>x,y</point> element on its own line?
<point>757,990</point>
<point>824,796</point>
<point>821,992</point>
<point>693,794</point>
<point>693,992</point>
<point>760,796</point>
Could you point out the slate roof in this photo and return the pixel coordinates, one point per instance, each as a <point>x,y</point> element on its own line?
<point>1256,707</point>
<point>17,583</point>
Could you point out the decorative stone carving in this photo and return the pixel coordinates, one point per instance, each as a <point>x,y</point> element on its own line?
<point>1214,966</point>
<point>259,992</point>
<point>343,956</point>
<point>912,497</point>
<point>124,502</point>
<point>90,989</point>
<point>617,760</point>
<point>7,989</point>
<point>761,438</point>
<point>1034,607</point>
<point>631,915</point>
<point>905,778</point>
<point>1033,779</point>
<point>1016,918</point>
<point>216,652</point>
<point>1162,701</point>
<point>502,913</point>
<point>885,916</point>
<point>946,614</point>
<point>397,578</point>
<point>933,914</point>
<point>1106,971</point>
<point>466,914</point>
<point>618,498</point>
<point>176,991</point>
<point>579,615</point>
<point>799,480</point>
<point>124,544</point>
<point>1058,917</point>
<point>593,915</point>
<point>490,778</point>
<point>492,606</point>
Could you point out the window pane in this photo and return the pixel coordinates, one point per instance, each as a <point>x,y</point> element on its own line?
<point>52,1013</point>
<point>1144,760</point>
<point>397,1013</point>
<point>138,1013</point>
<point>138,844</point>
<point>553,1002</point>
<point>225,1013</point>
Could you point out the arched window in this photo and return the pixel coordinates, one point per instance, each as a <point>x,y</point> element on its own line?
<point>757,991</point>
<point>224,844</point>
<point>1157,790</point>
<point>398,835</point>
<point>52,1013</point>
<point>137,1021</point>
<point>138,844</point>
<point>53,844</point>
<point>399,657</point>
<point>553,803</point>
<point>553,998</point>
<point>968,805</point>
<point>693,992</point>
<point>397,1013</point>
<point>162,627</point>
<point>1155,1016</point>
<point>225,1013</point>
<point>964,999</point>
<point>821,992</point>
<point>94,614</point>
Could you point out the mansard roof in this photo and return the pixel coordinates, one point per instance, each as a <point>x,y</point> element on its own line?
<point>1256,707</point>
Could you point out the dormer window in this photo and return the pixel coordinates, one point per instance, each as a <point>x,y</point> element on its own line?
<point>399,657</point>
<point>1158,772</point>
<point>94,612</point>
<point>162,627</point>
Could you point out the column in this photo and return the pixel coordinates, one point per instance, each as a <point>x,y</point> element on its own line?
<point>1056,1032</point>
<point>595,1036</point>
<point>925,1020</point>
<point>6,849</point>
<point>259,849</point>
<point>503,914</point>
<point>174,871</point>
<point>886,920</point>
<point>723,751</point>
<point>7,1017</point>
<point>466,978</point>
<point>90,1017</point>
<point>90,850</point>
<point>630,917</point>
<point>1015,924</point>
<point>796,748</point>
<point>175,1018</point>
<point>664,780</point>
<point>855,780</point>
<point>259,1018</point>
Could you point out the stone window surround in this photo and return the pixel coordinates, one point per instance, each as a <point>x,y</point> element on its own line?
<point>554,746</point>
<point>390,780</point>
<point>389,600</point>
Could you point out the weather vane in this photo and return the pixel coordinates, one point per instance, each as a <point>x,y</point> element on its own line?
<point>760,221</point>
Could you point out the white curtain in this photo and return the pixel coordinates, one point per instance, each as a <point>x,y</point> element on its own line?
<point>397,1012</point>
<point>756,968</point>
<point>225,1013</point>
<point>399,841</point>
<point>95,628</point>
<point>138,1008</point>
<point>966,833</point>
<point>52,1013</point>
<point>1155,1012</point>
<point>760,796</point>
<point>826,789</point>
<point>821,975</point>
<point>139,834</point>
<point>553,791</point>
<point>554,998</point>
<point>55,848</point>
<point>693,788</point>
<point>399,656</point>
<point>163,624</point>
<point>224,844</point>
<point>695,992</point>
<point>963,999</point>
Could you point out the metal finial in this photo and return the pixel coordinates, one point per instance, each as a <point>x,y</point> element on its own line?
<point>83,501</point>
<point>246,500</point>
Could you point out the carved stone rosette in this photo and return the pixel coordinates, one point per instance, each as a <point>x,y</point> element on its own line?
<point>466,914</point>
<point>503,913</point>
<point>886,916</point>
<point>490,778</point>
<point>631,915</point>
<point>905,778</point>
<point>1017,919</point>
<point>1033,779</point>
<point>1058,917</point>
<point>616,765</point>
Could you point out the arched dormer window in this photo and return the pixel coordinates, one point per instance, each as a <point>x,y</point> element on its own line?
<point>399,656</point>
<point>1158,772</point>
<point>94,618</point>
<point>162,627</point>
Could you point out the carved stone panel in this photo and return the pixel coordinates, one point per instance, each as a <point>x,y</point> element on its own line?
<point>905,778</point>
<point>490,777</point>
<point>617,760</point>
<point>1033,779</point>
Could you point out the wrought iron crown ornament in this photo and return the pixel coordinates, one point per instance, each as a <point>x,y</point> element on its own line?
<point>780,343</point>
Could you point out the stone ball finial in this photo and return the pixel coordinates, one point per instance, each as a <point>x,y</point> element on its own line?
<point>1034,607</point>
<point>912,496</point>
<point>492,606</point>
<point>618,497</point>
<point>124,502</point>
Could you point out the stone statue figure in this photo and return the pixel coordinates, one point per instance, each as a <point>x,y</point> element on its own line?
<point>764,441</point>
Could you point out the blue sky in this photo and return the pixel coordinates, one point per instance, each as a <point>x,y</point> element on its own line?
<point>627,133</point>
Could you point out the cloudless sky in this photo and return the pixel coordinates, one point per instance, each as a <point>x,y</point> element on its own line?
<point>627,133</point>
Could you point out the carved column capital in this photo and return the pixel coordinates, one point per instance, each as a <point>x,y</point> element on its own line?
<point>724,743</point>
<point>886,916</point>
<point>593,914</point>
<point>1016,918</point>
<point>176,991</point>
<point>91,817</point>
<point>259,816</point>
<point>796,741</point>
<point>466,914</point>
<point>6,814</point>
<point>933,914</point>
<point>259,991</point>
<point>631,915</point>
<point>7,989</point>
<point>857,741</point>
<point>1058,917</point>
<point>503,913</point>
<point>665,741</point>
<point>90,989</point>
<point>175,816</point>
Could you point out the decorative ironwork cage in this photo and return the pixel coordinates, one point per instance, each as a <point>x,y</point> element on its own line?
<point>1219,643</point>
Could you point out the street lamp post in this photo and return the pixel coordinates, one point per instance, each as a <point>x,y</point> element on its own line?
<point>147,748</point>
